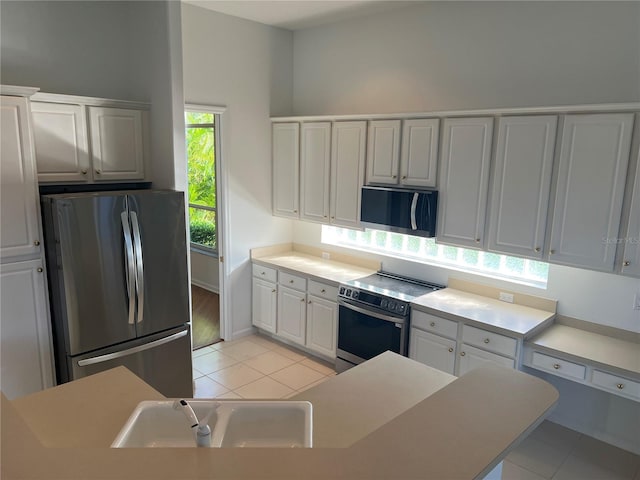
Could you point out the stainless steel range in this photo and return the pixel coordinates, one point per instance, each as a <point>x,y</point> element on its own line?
<point>374,314</point>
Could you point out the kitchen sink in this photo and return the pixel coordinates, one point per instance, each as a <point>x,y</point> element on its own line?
<point>233,423</point>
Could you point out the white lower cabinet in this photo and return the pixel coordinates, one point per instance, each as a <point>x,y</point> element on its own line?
<point>264,305</point>
<point>471,357</point>
<point>292,314</point>
<point>25,345</point>
<point>322,319</point>
<point>433,350</point>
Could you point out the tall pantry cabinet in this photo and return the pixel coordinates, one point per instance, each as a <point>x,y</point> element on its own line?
<point>25,337</point>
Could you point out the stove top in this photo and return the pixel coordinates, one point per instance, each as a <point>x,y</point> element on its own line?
<point>394,286</point>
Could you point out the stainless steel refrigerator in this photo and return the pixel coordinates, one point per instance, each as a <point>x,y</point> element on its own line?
<point>117,267</point>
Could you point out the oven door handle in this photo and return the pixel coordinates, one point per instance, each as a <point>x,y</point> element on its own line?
<point>387,318</point>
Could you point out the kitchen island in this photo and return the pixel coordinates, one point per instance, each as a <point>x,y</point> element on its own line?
<point>392,418</point>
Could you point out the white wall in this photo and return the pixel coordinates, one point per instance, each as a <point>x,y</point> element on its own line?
<point>465,55</point>
<point>205,271</point>
<point>246,67</point>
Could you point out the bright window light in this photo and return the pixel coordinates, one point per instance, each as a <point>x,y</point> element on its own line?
<point>426,250</point>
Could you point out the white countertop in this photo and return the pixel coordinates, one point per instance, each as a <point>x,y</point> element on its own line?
<point>590,346</point>
<point>485,312</point>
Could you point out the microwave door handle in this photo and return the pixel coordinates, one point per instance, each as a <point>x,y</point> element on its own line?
<point>414,204</point>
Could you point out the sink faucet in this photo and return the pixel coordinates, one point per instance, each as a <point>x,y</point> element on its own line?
<point>203,431</point>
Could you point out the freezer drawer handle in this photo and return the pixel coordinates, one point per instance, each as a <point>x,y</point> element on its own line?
<point>129,262</point>
<point>131,351</point>
<point>139,265</point>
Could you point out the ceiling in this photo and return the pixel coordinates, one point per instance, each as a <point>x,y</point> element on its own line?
<point>298,14</point>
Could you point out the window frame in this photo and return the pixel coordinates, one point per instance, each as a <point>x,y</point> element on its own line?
<point>198,247</point>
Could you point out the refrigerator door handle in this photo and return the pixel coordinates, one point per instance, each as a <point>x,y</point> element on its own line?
<point>139,265</point>
<point>129,263</point>
<point>130,351</point>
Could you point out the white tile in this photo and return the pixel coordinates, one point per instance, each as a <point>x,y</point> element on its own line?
<point>606,456</point>
<point>556,435</point>
<point>197,373</point>
<point>311,385</point>
<point>201,351</point>
<point>289,353</point>
<point>264,341</point>
<point>318,366</point>
<point>297,376</point>
<point>212,362</point>
<point>576,468</point>
<point>236,376</point>
<point>264,388</point>
<point>269,362</point>
<point>244,350</point>
<point>511,471</point>
<point>537,457</point>
<point>205,387</point>
<point>230,396</point>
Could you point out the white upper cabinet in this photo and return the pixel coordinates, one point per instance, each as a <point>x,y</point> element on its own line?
<point>286,165</point>
<point>62,150</point>
<point>117,146</point>
<point>314,171</point>
<point>20,233</point>
<point>631,243</point>
<point>347,172</point>
<point>594,155</point>
<point>464,181</point>
<point>383,151</point>
<point>521,185</point>
<point>419,154</point>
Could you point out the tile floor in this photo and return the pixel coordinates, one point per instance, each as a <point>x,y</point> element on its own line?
<point>258,367</point>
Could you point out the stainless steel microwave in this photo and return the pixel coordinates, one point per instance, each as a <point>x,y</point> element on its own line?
<point>411,212</point>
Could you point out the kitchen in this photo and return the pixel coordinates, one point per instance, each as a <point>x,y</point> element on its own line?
<point>254,77</point>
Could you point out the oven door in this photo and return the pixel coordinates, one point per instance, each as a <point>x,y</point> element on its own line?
<point>364,333</point>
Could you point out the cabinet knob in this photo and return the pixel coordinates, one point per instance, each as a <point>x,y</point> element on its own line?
<point>273,291</point>
<point>626,263</point>
<point>556,366</point>
<point>98,172</point>
<point>486,340</point>
<point>537,249</point>
<point>433,324</point>
<point>295,211</point>
<point>40,270</point>
<point>333,218</point>
<point>551,252</point>
<point>404,177</point>
<point>324,216</point>
<point>36,243</point>
<point>84,171</point>
<point>323,291</point>
<point>290,281</point>
<point>620,386</point>
<point>450,349</point>
<point>309,302</point>
<point>263,273</point>
<point>462,354</point>
<point>302,300</point>
<point>477,240</point>
<point>393,176</point>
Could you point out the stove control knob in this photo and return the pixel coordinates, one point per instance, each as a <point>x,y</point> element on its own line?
<point>392,305</point>
<point>402,308</point>
<point>384,303</point>
<point>348,292</point>
<point>342,290</point>
<point>355,294</point>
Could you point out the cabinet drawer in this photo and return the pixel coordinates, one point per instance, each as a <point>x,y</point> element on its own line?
<point>292,281</point>
<point>493,342</point>
<point>434,324</point>
<point>266,273</point>
<point>323,290</point>
<point>615,384</point>
<point>558,366</point>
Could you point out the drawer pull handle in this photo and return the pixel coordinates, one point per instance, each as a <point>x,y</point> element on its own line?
<point>450,349</point>
<point>433,324</point>
<point>626,263</point>
<point>620,386</point>
<point>323,291</point>
<point>263,273</point>
<point>556,366</point>
<point>486,340</point>
<point>462,354</point>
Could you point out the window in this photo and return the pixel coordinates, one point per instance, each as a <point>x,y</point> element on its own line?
<point>201,161</point>
<point>426,250</point>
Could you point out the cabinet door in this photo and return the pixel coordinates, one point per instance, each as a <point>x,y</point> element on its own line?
<point>264,302</point>
<point>314,171</point>
<point>19,213</point>
<point>347,172</point>
<point>418,164</point>
<point>591,177</point>
<point>464,181</point>
<point>383,151</point>
<point>521,185</point>
<point>471,357</point>
<point>432,350</point>
<point>286,164</point>
<point>291,314</point>
<point>117,145</point>
<point>322,318</point>
<point>26,352</point>
<point>631,253</point>
<point>60,134</point>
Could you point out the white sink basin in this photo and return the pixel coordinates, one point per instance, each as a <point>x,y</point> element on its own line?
<point>234,423</point>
